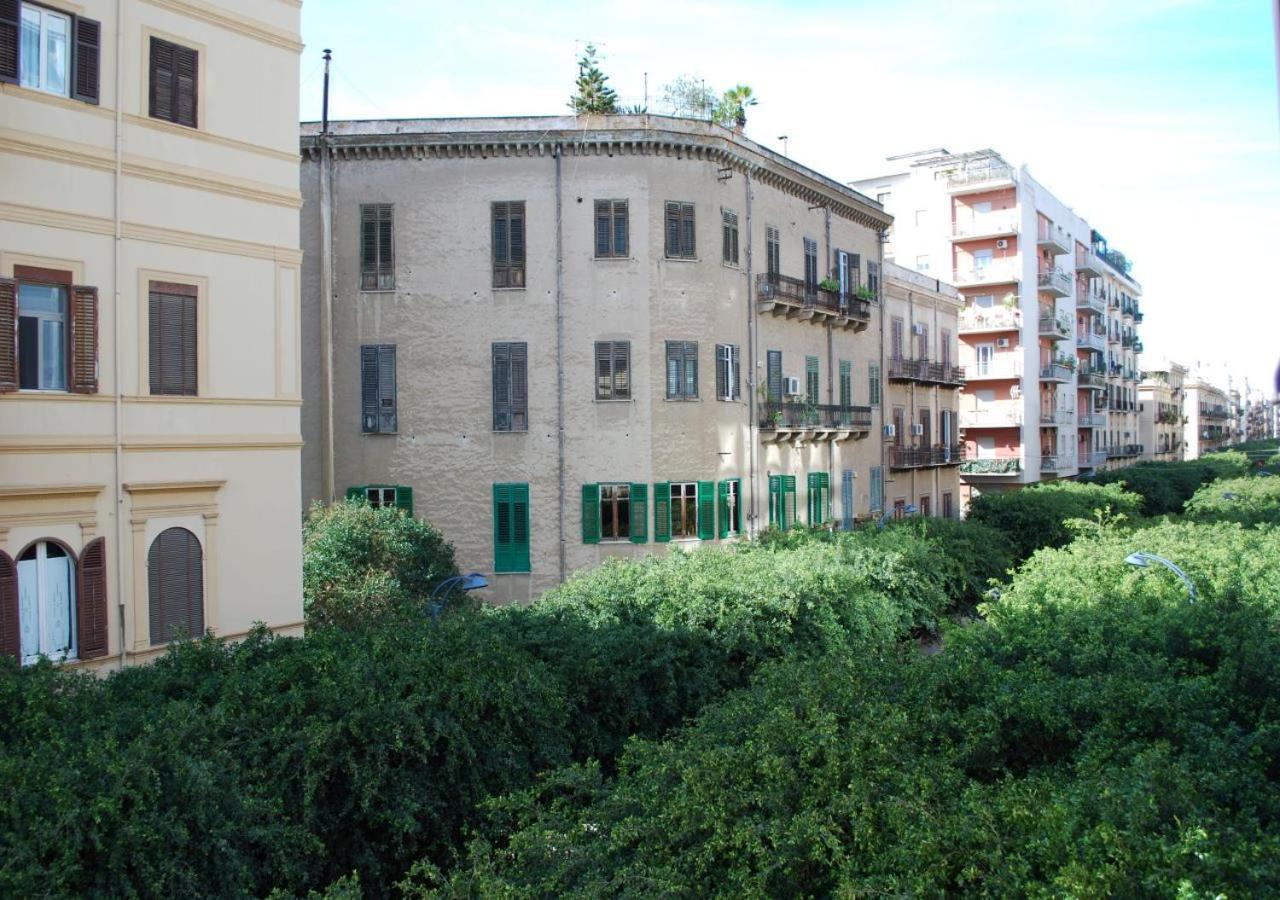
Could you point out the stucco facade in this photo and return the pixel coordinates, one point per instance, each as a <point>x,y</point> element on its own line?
<point>925,449</point>
<point>152,169</point>
<point>1208,415</point>
<point>1161,414</point>
<point>451,184</point>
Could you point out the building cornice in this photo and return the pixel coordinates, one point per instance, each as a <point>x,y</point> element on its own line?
<point>657,136</point>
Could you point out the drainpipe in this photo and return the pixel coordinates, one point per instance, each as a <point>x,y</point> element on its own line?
<point>884,379</point>
<point>831,352</point>
<point>117,487</point>
<point>555,155</point>
<point>753,378</point>
<point>326,296</point>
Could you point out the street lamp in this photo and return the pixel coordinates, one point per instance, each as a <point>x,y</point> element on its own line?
<point>1143,560</point>
<point>464,583</point>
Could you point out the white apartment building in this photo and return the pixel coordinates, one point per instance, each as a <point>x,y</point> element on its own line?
<point>1048,334</point>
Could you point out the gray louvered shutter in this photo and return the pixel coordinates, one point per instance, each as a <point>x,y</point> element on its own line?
<point>673,369</point>
<point>773,375</point>
<point>673,229</point>
<point>520,386</point>
<point>722,371</point>
<point>85,61</point>
<point>10,12</point>
<point>369,389</point>
<point>161,80</point>
<point>735,379</point>
<point>621,355</point>
<point>604,226</point>
<point>690,387</point>
<point>185,63</point>
<point>501,387</point>
<point>387,389</point>
<point>621,237</point>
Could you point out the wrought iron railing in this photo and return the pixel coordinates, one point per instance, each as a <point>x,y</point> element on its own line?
<point>926,457</point>
<point>775,416</point>
<point>796,292</point>
<point>904,369</point>
<point>1005,465</point>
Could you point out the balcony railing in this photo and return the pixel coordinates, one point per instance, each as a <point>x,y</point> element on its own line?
<point>1091,339</point>
<point>1092,420</point>
<point>1055,372</point>
<point>1052,238</point>
<point>1000,271</point>
<point>798,420</point>
<point>1091,379</point>
<point>980,175</point>
<point>926,457</point>
<point>1006,416</point>
<point>792,297</point>
<point>989,225</point>
<point>1054,327</point>
<point>1089,263</point>
<point>925,370</point>
<point>1090,301</point>
<point>1048,463</point>
<point>994,465</point>
<point>1092,460</point>
<point>1054,282</point>
<point>1005,365</point>
<point>1056,416</point>
<point>990,318</point>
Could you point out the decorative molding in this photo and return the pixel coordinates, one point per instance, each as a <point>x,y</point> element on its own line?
<point>104,443</point>
<point>49,396</point>
<point>252,28</point>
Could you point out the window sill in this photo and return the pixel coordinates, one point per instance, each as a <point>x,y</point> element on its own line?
<point>614,258</point>
<point>682,399</point>
<point>181,125</point>
<point>731,265</point>
<point>379,433</point>
<point>618,400</point>
<point>56,392</point>
<point>509,430</point>
<point>376,290</point>
<point>515,572</point>
<point>508,289</point>
<point>683,259</point>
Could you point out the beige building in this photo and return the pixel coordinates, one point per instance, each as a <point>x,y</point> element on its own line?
<point>1208,414</point>
<point>149,278</point>
<point>922,317</point>
<point>1160,412</point>
<point>564,340</point>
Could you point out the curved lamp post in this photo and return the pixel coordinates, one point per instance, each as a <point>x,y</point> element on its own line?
<point>1143,560</point>
<point>469,582</point>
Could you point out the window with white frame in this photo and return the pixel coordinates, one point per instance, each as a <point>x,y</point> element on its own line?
<point>45,50</point>
<point>42,337</point>
<point>46,602</point>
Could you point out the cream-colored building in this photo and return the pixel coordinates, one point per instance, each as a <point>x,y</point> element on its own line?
<point>1160,412</point>
<point>149,286</point>
<point>925,450</point>
<point>1208,414</point>
<point>569,339</point>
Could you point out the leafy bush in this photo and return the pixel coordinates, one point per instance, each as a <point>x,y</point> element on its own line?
<point>1100,736</point>
<point>359,561</point>
<point>1249,501</point>
<point>1165,487</point>
<point>969,554</point>
<point>1037,516</point>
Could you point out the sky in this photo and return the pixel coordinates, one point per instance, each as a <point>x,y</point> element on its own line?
<point>1156,120</point>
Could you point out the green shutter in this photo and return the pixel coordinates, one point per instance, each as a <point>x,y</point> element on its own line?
<point>788,500</point>
<point>502,560</point>
<point>404,498</point>
<point>775,501</point>
<point>639,513</point>
<point>815,499</point>
<point>356,492</point>
<point>510,527</point>
<point>591,514</point>
<point>722,502</point>
<point>662,511</point>
<point>519,528</point>
<point>706,510</point>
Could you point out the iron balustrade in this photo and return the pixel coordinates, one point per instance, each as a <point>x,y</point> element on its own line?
<point>775,416</point>
<point>926,370</point>
<point>795,292</point>
<point>927,457</point>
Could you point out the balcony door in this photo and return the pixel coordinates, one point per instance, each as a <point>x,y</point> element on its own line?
<point>986,356</point>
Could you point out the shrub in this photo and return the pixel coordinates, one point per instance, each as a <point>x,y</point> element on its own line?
<point>1249,501</point>
<point>968,554</point>
<point>1165,487</point>
<point>1037,516</point>
<point>360,561</point>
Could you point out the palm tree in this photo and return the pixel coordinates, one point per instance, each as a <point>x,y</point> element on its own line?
<point>733,107</point>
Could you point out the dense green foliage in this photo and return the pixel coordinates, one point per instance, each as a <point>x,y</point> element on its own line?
<point>1165,487</point>
<point>360,561</point>
<point>1097,736</point>
<point>1249,501</point>
<point>1037,516</point>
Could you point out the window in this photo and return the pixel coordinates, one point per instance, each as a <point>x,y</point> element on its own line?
<point>925,508</point>
<point>46,592</point>
<point>175,586</point>
<point>174,82</point>
<point>873,277</point>
<point>378,388</point>
<point>944,349</point>
<point>729,493</point>
<point>819,497</point>
<point>511,527</point>
<point>50,51</point>
<point>773,375</point>
<point>510,386</point>
<point>508,244</point>
<point>873,384</point>
<point>811,379</point>
<point>948,508</point>
<point>611,229</point>
<point>877,489</point>
<point>882,198</point>
<point>773,250</point>
<point>682,370</point>
<point>922,263</point>
<point>48,332</point>
<point>810,265</point>
<point>615,512</point>
<point>900,508</point>
<point>846,383</point>
<point>899,420</point>
<point>680,242</point>
<point>379,495</point>
<point>922,216</point>
<point>984,301</point>
<point>782,501</point>
<point>171,330</point>
<point>981,260</point>
<point>922,342</point>
<point>613,370</point>
<point>926,432</point>
<point>729,220</point>
<point>895,337</point>
<point>684,509</point>
<point>728,381</point>
<point>377,259</point>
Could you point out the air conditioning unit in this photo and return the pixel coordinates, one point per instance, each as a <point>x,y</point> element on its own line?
<point>791,386</point>
<point>1002,342</point>
<point>918,328</point>
<point>890,432</point>
<point>1002,244</point>
<point>917,430</point>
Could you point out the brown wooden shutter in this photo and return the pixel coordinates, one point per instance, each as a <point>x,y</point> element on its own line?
<point>161,79</point>
<point>91,600</point>
<point>9,14</point>
<point>10,630</point>
<point>84,340</point>
<point>88,42</point>
<point>8,335</point>
<point>172,338</point>
<point>175,586</point>
<point>185,63</point>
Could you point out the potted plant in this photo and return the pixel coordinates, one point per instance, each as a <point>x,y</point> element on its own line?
<point>865,293</point>
<point>829,284</point>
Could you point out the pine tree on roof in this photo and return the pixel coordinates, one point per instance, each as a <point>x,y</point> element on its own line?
<point>594,94</point>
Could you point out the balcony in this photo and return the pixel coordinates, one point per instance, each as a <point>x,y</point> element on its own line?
<point>1137,346</point>
<point>1056,372</point>
<point>977,319</point>
<point>1137,317</point>
<point>1054,327</point>
<point>980,177</point>
<point>1128,340</point>
<point>793,299</point>
<point>1088,300</point>
<point>998,271</point>
<point>1053,416</point>
<point>995,224</point>
<point>1048,463</point>
<point>1004,366</point>
<point>1055,283</point>
<point>992,415</point>
<point>1091,339</point>
<point>1088,263</point>
<point>992,465</point>
<point>1124,451</point>
<point>1092,460</point>
<point>1092,420</point>
<point>1091,379</point>
<point>812,421</point>
<point>1052,238</point>
<point>926,457</point>
<point>925,371</point>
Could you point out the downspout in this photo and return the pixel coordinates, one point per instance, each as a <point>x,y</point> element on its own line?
<point>118,448</point>
<point>753,378</point>
<point>884,381</point>
<point>555,155</point>
<point>831,351</point>
<point>326,297</point>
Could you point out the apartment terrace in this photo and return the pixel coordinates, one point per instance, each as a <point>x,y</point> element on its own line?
<point>992,465</point>
<point>1088,300</point>
<point>786,421</point>
<point>1054,326</point>
<point>989,225</point>
<point>1052,463</point>
<point>1088,263</point>
<point>981,177</point>
<point>925,371</point>
<point>1091,379</point>
<point>998,271</point>
<point>792,298</point>
<point>1058,371</point>
<point>975,320</point>
<point>926,457</point>
<point>1054,282</point>
<point>1092,459</point>
<point>1050,415</point>
<point>1092,338</point>
<point>992,415</point>
<point>1092,420</point>
<point>1004,366</point>
<point>1122,451</point>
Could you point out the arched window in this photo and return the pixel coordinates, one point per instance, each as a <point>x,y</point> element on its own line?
<point>46,602</point>
<point>175,578</point>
